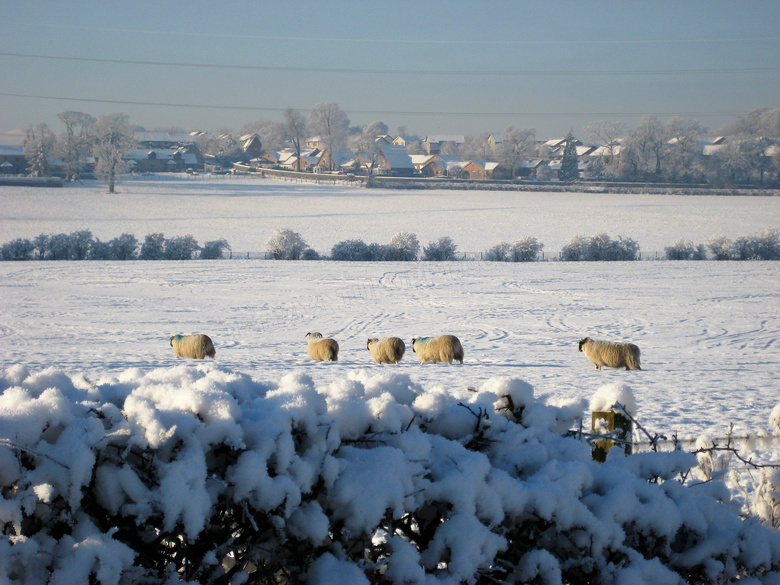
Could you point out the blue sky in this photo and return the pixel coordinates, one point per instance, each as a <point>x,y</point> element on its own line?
<point>459,67</point>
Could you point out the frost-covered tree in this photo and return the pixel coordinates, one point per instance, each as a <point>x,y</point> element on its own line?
<point>683,153</point>
<point>609,134</point>
<point>351,251</point>
<point>295,129</point>
<point>113,138</point>
<point>285,244</point>
<point>124,247</point>
<point>331,125</point>
<point>153,247</point>
<point>214,250</point>
<point>180,248</point>
<point>600,248</point>
<point>271,133</point>
<point>18,249</point>
<point>443,249</point>
<point>405,245</point>
<point>685,250</point>
<point>570,162</point>
<point>517,146</point>
<point>39,149</point>
<point>80,244</point>
<point>75,141</point>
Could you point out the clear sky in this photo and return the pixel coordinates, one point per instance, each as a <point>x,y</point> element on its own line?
<point>455,67</point>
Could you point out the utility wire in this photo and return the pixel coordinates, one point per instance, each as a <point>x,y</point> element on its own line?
<point>361,71</point>
<point>378,112</point>
<point>417,41</point>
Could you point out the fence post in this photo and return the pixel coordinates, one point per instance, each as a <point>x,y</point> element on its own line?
<point>614,421</point>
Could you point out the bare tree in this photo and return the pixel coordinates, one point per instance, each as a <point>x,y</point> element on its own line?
<point>608,133</point>
<point>75,141</point>
<point>114,137</point>
<point>331,125</point>
<point>295,131</point>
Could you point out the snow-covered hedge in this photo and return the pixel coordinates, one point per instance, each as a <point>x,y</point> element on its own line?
<point>525,249</point>
<point>81,245</point>
<point>201,474</point>
<point>600,248</point>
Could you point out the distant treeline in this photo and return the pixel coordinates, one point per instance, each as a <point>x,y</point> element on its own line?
<point>403,247</point>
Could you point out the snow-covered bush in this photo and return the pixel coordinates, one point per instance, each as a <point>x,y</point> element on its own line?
<point>685,250</point>
<point>153,247</point>
<point>286,244</point>
<point>214,250</point>
<point>180,248</point>
<point>443,249</point>
<point>404,247</point>
<point>18,249</point>
<point>525,249</point>
<point>351,251</point>
<point>201,474</point>
<point>762,246</point>
<point>124,247</point>
<point>600,248</point>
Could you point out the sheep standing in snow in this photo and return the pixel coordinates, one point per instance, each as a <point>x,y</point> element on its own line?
<point>388,350</point>
<point>196,347</point>
<point>322,350</point>
<point>612,355</point>
<point>444,348</point>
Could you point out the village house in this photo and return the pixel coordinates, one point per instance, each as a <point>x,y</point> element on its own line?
<point>433,143</point>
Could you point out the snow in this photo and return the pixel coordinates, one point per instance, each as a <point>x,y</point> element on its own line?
<point>86,338</point>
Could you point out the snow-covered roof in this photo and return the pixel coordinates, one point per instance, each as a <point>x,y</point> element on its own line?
<point>396,156</point>
<point>438,138</point>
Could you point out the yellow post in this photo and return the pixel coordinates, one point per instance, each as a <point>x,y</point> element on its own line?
<point>609,422</point>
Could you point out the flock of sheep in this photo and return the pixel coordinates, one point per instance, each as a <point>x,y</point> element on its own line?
<point>390,350</point>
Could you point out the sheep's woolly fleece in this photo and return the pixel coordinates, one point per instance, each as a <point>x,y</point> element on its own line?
<point>421,457</point>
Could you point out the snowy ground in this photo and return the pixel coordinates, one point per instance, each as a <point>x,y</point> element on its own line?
<point>246,211</point>
<point>708,331</point>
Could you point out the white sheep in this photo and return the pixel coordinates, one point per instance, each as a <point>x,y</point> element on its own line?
<point>610,354</point>
<point>196,347</point>
<point>388,350</point>
<point>444,348</point>
<point>322,350</point>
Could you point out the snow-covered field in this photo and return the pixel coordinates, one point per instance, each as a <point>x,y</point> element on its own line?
<point>246,211</point>
<point>86,363</point>
<point>708,331</point>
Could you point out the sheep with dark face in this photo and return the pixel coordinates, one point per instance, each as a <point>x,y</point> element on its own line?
<point>444,348</point>
<point>196,347</point>
<point>322,350</point>
<point>610,354</point>
<point>388,350</point>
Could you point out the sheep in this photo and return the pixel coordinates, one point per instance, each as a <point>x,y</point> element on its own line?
<point>322,350</point>
<point>610,354</point>
<point>444,348</point>
<point>388,350</point>
<point>196,347</point>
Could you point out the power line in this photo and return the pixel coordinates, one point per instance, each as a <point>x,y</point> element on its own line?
<point>380,112</point>
<point>474,72</point>
<point>417,41</point>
